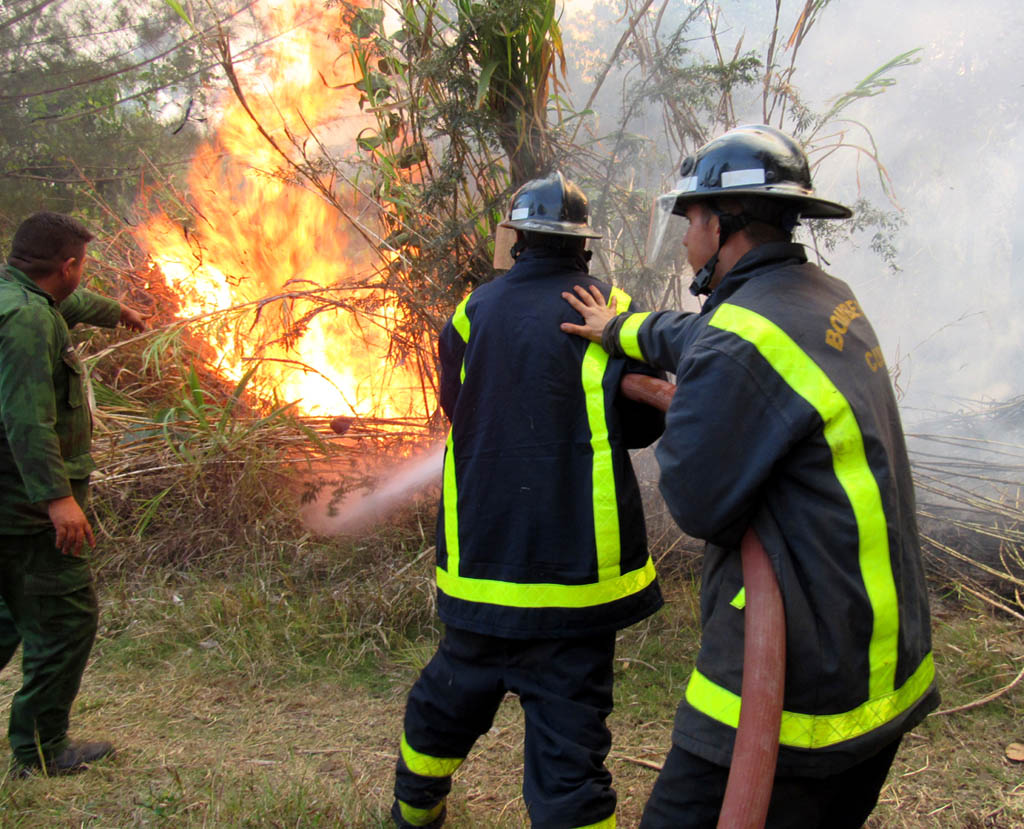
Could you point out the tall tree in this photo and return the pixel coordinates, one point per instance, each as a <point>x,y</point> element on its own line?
<point>92,93</point>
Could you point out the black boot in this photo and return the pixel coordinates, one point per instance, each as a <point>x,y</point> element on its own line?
<point>75,758</point>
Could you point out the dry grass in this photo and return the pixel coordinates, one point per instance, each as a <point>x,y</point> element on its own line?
<point>254,675</point>
<point>274,697</point>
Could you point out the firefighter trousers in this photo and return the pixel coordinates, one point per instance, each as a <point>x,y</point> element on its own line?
<point>689,791</point>
<point>48,605</point>
<point>565,690</point>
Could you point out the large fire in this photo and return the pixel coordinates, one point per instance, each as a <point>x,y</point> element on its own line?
<point>257,236</point>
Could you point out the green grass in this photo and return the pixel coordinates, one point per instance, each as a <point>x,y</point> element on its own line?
<point>271,694</point>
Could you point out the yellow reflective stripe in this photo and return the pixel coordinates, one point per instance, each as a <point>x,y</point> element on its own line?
<point>427,766</point>
<point>607,823</point>
<point>816,730</point>
<point>629,333</point>
<point>605,504</point>
<point>460,322</point>
<point>513,594</point>
<point>450,504</point>
<point>419,817</point>
<point>739,601</point>
<point>855,476</point>
<point>450,491</point>
<point>606,512</point>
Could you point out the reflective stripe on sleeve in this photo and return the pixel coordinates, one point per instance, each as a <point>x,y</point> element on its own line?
<point>629,335</point>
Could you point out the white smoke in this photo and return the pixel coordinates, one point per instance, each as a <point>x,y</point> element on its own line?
<point>949,134</point>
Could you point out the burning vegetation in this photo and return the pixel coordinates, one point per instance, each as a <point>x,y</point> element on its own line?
<point>278,277</point>
<point>339,202</point>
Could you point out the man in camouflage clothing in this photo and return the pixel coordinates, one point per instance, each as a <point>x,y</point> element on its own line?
<point>47,602</point>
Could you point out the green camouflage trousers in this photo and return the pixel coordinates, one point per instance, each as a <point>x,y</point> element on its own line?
<point>47,603</point>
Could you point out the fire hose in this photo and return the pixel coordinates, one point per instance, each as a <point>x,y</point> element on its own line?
<point>756,748</point>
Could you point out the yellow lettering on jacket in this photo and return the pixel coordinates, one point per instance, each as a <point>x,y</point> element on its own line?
<point>874,358</point>
<point>842,315</point>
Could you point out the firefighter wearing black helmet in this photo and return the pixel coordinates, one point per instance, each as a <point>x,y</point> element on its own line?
<point>541,546</point>
<point>784,420</point>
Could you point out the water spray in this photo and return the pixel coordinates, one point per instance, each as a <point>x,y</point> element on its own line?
<point>367,507</point>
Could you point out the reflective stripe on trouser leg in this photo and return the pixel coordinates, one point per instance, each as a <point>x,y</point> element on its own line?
<point>422,783</point>
<point>426,765</point>
<point>450,705</point>
<point>406,815</point>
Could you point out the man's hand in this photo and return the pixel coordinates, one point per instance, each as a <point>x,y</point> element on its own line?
<point>591,307</point>
<point>130,318</point>
<point>71,525</point>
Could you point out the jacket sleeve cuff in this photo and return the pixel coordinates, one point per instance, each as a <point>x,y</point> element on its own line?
<point>620,337</point>
<point>42,491</point>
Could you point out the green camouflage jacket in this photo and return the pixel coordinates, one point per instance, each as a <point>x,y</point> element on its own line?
<point>45,423</point>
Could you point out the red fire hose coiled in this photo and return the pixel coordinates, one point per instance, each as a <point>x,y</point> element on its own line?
<point>749,788</point>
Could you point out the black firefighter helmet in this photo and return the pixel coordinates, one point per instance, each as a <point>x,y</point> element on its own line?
<point>747,162</point>
<point>552,205</point>
<point>751,161</point>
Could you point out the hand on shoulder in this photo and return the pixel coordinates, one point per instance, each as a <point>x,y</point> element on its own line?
<point>591,306</point>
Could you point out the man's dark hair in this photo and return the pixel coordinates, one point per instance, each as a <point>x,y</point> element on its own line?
<point>769,220</point>
<point>44,240</point>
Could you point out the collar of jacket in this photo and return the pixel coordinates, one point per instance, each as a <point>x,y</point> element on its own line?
<point>750,265</point>
<point>534,260</point>
<point>12,274</point>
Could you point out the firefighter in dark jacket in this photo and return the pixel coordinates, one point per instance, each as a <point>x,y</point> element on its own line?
<point>541,545</point>
<point>784,420</point>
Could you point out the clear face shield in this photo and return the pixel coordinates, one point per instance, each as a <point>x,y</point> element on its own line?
<point>665,252</point>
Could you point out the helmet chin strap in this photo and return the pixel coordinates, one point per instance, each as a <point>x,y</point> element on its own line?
<point>728,224</point>
<point>702,279</point>
<point>517,248</point>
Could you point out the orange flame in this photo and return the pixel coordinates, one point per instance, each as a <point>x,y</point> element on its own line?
<point>258,236</point>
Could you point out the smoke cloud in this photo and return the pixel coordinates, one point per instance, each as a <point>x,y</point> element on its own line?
<point>949,134</point>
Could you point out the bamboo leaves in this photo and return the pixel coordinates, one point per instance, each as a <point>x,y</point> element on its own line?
<point>198,427</point>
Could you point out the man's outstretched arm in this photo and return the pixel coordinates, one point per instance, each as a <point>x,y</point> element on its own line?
<point>656,338</point>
